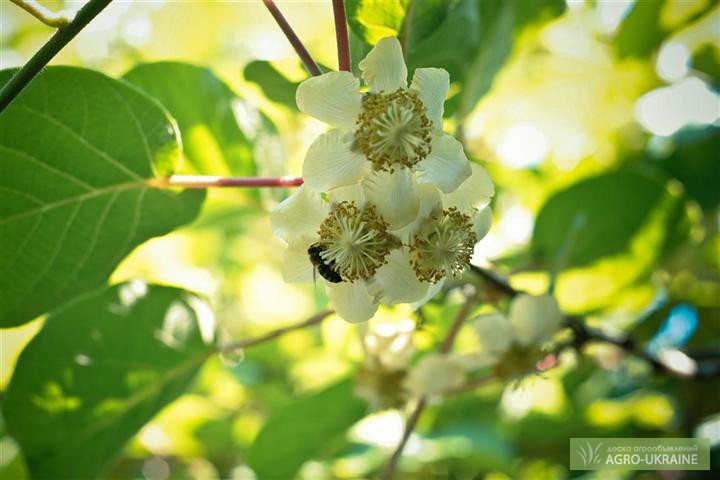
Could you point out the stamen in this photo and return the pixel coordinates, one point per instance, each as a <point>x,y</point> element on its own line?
<point>394,130</point>
<point>355,240</point>
<point>443,246</point>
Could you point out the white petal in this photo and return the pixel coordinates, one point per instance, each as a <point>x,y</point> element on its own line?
<point>534,318</point>
<point>348,193</point>
<point>394,195</point>
<point>432,291</point>
<point>433,375</point>
<point>475,192</point>
<point>351,301</point>
<point>482,221</point>
<point>296,266</point>
<point>432,85</point>
<point>478,360</point>
<point>447,166</point>
<point>331,163</point>
<point>494,333</point>
<point>332,97</point>
<point>396,282</point>
<point>429,202</point>
<point>299,215</point>
<point>383,69</point>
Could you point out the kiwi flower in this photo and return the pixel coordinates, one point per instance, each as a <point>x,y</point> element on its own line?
<point>390,128</point>
<point>343,239</point>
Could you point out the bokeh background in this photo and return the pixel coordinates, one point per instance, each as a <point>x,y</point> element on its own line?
<point>600,130</point>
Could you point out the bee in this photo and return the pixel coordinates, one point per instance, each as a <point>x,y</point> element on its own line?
<point>325,269</point>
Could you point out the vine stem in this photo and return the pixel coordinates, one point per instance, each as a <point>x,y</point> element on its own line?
<point>207,181</point>
<point>250,342</point>
<point>62,37</point>
<point>45,15</point>
<point>422,402</point>
<point>341,35</point>
<point>302,52</point>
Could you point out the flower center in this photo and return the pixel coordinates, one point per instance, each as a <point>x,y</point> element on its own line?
<point>355,240</point>
<point>443,246</point>
<point>393,129</point>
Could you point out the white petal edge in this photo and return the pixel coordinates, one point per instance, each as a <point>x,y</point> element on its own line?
<point>433,290</point>
<point>394,195</point>
<point>348,193</point>
<point>432,84</point>
<point>396,282</point>
<point>534,318</point>
<point>296,266</point>
<point>299,215</point>
<point>330,162</point>
<point>482,221</point>
<point>429,201</point>
<point>475,192</point>
<point>351,301</point>
<point>332,97</point>
<point>447,166</point>
<point>383,69</point>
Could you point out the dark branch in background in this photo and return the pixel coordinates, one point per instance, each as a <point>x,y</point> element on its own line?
<point>62,37</point>
<point>251,342</point>
<point>708,366</point>
<point>422,402</point>
<point>341,35</point>
<point>302,52</point>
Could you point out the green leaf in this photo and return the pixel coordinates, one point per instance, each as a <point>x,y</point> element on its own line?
<point>500,21</point>
<point>214,141</point>
<point>272,83</point>
<point>99,369</point>
<point>640,32</point>
<point>375,19</point>
<point>78,154</point>
<point>613,209</point>
<point>300,431</point>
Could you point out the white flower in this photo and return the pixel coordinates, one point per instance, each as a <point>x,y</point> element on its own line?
<point>433,375</point>
<point>439,243</point>
<point>531,321</point>
<point>389,346</point>
<point>390,128</point>
<point>349,242</point>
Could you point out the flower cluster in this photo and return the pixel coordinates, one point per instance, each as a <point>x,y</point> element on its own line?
<point>391,206</point>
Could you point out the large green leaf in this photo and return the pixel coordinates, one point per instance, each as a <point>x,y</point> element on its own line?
<point>641,32</point>
<point>604,214</point>
<point>300,431</point>
<point>273,83</point>
<point>214,140</point>
<point>99,369</point>
<point>500,21</point>
<point>375,19</point>
<point>78,155</point>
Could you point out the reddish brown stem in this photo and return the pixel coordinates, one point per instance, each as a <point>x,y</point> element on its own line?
<point>302,52</point>
<point>206,181</point>
<point>341,34</point>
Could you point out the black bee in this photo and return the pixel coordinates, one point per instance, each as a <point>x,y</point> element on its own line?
<point>325,269</point>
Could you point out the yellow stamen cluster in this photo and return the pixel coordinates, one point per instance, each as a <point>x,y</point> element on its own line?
<point>393,129</point>
<point>443,246</point>
<point>356,241</point>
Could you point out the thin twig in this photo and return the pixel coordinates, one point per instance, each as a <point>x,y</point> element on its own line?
<point>250,342</point>
<point>422,402</point>
<point>62,37</point>
<point>497,282</point>
<point>45,15</point>
<point>207,181</point>
<point>341,35</point>
<point>302,52</point>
